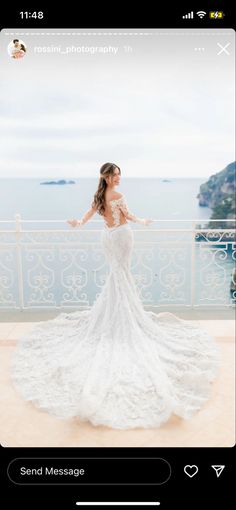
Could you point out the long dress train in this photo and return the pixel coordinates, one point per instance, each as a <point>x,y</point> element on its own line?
<point>117,364</point>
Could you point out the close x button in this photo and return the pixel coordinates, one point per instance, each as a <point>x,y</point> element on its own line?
<point>89,471</point>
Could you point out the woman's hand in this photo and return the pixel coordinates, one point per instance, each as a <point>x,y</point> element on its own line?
<point>74,223</point>
<point>147,221</point>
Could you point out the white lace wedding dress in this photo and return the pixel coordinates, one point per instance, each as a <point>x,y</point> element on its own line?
<point>117,364</point>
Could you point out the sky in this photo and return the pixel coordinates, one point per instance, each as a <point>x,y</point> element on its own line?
<point>153,102</point>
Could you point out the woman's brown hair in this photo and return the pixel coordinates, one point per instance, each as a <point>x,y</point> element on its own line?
<point>99,197</point>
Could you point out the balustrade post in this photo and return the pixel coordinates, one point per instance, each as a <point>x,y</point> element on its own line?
<point>193,265</point>
<point>19,260</point>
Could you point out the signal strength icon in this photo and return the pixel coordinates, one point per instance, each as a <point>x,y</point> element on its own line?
<point>201,14</point>
<point>188,16</point>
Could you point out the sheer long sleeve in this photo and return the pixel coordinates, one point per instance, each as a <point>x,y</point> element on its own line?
<point>123,206</point>
<point>87,215</point>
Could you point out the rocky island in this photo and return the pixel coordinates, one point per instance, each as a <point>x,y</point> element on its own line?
<point>62,181</point>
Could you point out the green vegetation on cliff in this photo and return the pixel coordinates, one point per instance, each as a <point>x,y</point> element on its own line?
<point>218,193</point>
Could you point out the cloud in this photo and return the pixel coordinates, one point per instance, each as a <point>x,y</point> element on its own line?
<point>161,110</point>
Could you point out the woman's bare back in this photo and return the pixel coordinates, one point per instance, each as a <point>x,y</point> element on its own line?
<point>110,196</point>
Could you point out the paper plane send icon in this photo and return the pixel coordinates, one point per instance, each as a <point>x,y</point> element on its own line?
<point>218,470</point>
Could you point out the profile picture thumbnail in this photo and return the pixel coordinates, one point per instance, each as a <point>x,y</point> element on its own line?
<point>17,49</point>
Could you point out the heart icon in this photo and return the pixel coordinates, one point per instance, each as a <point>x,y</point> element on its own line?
<point>190,470</point>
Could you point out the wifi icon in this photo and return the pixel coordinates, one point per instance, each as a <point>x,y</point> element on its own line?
<point>201,14</point>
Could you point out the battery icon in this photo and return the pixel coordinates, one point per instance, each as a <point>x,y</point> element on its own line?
<point>216,14</point>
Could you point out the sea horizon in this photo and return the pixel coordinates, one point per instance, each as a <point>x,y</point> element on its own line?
<point>154,197</point>
<point>92,177</point>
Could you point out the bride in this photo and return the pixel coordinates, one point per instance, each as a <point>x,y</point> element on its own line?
<point>116,364</point>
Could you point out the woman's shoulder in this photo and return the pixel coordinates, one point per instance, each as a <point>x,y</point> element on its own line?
<point>114,196</point>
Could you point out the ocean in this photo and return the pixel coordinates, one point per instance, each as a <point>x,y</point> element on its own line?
<point>173,200</point>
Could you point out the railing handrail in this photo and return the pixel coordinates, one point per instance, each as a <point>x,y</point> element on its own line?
<point>101,221</point>
<point>222,230</point>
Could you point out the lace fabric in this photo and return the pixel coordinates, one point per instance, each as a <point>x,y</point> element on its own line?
<point>115,207</point>
<point>116,364</point>
<point>120,205</point>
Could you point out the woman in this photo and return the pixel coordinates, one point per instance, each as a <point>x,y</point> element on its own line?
<point>20,52</point>
<point>116,364</point>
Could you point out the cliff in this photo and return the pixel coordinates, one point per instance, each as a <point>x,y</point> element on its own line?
<point>218,193</point>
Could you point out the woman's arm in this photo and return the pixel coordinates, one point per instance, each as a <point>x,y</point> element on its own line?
<point>86,217</point>
<point>122,204</point>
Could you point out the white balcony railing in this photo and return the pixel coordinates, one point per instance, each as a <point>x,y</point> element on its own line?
<point>61,267</point>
